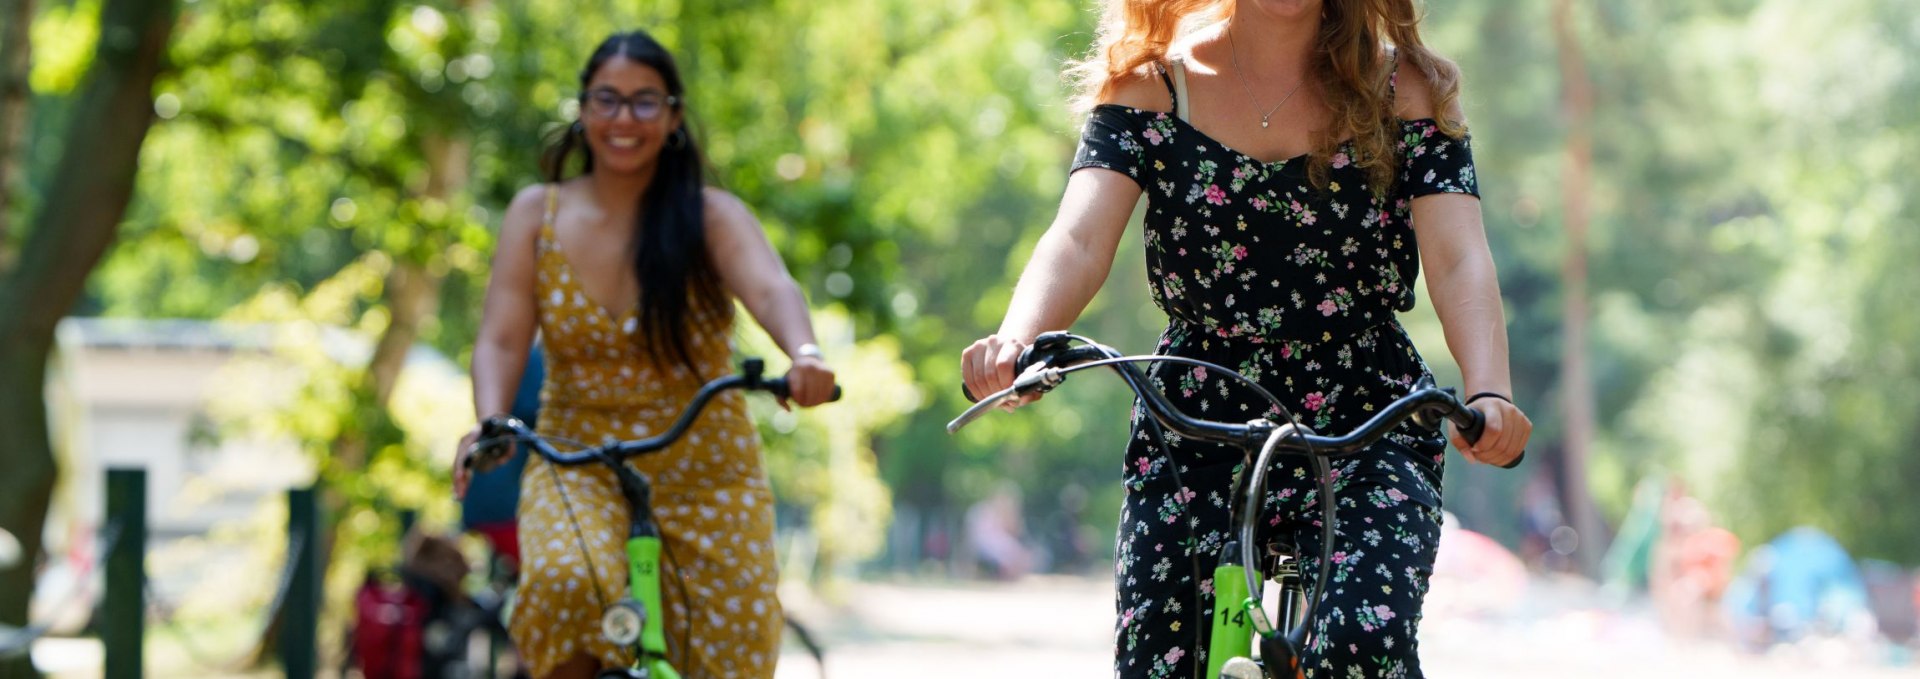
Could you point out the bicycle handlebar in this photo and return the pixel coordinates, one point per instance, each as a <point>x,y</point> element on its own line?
<point>1045,364</point>
<point>500,428</point>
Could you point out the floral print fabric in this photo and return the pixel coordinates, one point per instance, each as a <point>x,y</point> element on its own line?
<point>1297,287</point>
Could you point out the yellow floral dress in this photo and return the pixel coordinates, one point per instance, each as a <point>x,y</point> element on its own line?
<point>710,494</point>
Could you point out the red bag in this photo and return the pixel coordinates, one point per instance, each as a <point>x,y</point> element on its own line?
<point>389,632</point>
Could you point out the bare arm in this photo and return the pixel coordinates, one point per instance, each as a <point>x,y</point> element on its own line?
<point>1070,262</point>
<point>1074,256</point>
<point>1465,290</point>
<point>1068,266</point>
<point>753,272</point>
<point>508,320</point>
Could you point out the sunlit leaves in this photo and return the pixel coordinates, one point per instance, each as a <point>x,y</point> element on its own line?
<point>63,42</point>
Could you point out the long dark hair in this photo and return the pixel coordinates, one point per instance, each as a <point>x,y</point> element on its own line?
<point>670,260</point>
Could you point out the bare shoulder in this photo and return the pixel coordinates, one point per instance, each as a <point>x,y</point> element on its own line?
<point>1142,89</point>
<point>725,209</point>
<point>1416,97</point>
<point>525,213</point>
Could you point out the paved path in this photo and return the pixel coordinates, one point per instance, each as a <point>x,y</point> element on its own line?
<point>1057,628</point>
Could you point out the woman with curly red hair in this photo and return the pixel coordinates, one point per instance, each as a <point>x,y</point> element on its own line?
<point>1301,159</point>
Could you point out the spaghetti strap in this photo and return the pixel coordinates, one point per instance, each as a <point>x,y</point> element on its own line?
<point>553,206</point>
<point>1172,91</point>
<point>546,240</point>
<point>1180,107</point>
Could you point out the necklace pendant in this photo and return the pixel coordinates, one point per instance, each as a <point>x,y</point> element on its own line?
<point>1263,123</point>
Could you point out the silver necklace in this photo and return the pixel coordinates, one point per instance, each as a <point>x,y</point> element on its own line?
<point>1234,51</point>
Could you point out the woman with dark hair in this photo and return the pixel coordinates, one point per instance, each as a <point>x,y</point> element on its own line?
<point>1300,159</point>
<point>628,272</point>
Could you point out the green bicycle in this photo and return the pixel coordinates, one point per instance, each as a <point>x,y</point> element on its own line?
<point>634,622</point>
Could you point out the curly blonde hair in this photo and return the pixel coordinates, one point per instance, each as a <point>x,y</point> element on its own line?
<point>1350,62</point>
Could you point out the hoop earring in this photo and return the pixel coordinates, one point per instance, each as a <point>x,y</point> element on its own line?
<point>677,139</point>
<point>577,129</point>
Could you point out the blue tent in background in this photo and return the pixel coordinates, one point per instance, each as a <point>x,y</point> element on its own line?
<point>1802,582</point>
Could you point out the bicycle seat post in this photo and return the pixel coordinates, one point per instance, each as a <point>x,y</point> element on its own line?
<point>1293,595</point>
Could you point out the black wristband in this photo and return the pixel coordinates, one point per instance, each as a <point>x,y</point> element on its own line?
<point>1488,394</point>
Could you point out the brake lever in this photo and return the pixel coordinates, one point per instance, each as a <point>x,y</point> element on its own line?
<point>1036,380</point>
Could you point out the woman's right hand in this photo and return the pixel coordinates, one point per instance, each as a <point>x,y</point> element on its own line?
<point>463,474</point>
<point>987,366</point>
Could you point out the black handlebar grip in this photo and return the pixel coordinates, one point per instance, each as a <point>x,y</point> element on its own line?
<point>1476,425</point>
<point>964,391</point>
<point>491,429</point>
<point>1472,432</point>
<point>778,387</point>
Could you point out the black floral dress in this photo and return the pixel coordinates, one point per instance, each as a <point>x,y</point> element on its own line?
<point>1296,287</point>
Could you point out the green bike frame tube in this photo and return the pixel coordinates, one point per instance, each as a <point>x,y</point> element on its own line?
<point>643,580</point>
<point>1232,626</point>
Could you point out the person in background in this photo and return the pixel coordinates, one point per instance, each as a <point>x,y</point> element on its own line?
<point>628,269</point>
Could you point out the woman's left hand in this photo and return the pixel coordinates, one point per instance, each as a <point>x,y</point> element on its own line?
<point>1504,437</point>
<point>809,382</point>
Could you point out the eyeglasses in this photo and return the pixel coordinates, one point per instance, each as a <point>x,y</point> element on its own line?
<point>646,105</point>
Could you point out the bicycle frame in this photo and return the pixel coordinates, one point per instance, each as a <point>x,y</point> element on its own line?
<point>635,621</point>
<point>1235,610</point>
<point>643,576</point>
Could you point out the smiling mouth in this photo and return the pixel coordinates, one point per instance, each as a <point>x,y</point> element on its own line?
<point>624,142</point>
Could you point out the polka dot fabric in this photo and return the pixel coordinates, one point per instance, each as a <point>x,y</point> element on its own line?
<point>711,498</point>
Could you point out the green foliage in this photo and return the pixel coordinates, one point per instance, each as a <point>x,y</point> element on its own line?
<point>64,38</point>
<point>1752,221</point>
<point>1750,232</point>
<point>308,391</point>
<point>821,460</point>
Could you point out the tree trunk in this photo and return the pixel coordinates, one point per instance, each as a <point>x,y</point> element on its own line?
<point>16,59</point>
<point>1576,381</point>
<point>86,200</point>
<point>27,486</point>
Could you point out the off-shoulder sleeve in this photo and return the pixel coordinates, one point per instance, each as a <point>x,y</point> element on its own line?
<point>1435,162</point>
<point>1112,140</point>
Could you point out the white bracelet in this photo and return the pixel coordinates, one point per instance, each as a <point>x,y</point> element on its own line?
<point>809,349</point>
